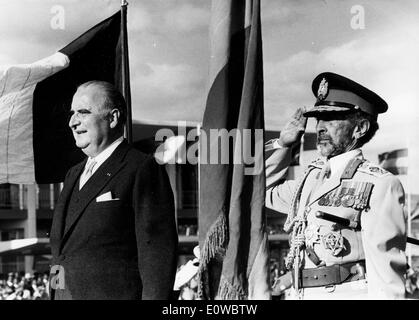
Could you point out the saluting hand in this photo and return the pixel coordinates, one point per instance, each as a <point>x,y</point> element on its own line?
<point>294,129</point>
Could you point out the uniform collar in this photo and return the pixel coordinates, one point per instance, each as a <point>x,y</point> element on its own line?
<point>339,162</point>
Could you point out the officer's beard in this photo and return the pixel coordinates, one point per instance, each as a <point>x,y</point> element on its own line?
<point>329,148</point>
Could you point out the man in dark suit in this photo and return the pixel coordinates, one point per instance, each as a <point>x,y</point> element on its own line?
<point>113,233</point>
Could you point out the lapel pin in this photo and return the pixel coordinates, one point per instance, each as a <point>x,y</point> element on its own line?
<point>108,174</point>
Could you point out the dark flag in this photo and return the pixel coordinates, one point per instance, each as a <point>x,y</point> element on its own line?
<point>39,146</point>
<point>232,222</point>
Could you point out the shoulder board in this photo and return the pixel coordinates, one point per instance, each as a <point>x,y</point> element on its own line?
<point>351,168</point>
<point>318,163</point>
<point>373,169</point>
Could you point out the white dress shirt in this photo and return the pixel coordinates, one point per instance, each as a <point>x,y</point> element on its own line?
<point>102,157</point>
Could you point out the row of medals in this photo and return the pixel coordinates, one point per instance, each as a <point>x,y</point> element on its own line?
<point>351,194</point>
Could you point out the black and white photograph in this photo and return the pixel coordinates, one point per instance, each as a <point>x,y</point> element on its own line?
<point>229,150</point>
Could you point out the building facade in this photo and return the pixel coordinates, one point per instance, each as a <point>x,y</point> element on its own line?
<point>26,211</point>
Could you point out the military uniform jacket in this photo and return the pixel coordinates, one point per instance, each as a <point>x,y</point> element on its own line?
<point>363,193</point>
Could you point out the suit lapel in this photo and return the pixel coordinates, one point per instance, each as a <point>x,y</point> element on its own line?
<point>65,196</point>
<point>97,182</point>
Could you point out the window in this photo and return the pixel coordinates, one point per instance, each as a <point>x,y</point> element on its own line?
<point>9,196</point>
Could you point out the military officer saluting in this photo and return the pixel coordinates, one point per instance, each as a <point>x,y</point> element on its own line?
<point>345,218</point>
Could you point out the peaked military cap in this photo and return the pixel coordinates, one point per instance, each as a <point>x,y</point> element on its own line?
<point>336,93</point>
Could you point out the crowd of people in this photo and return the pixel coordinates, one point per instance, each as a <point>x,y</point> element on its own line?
<point>189,291</point>
<point>24,286</point>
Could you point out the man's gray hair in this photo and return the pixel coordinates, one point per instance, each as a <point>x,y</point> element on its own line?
<point>357,117</point>
<point>113,98</point>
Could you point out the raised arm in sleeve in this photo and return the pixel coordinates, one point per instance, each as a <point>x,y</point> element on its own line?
<point>279,191</point>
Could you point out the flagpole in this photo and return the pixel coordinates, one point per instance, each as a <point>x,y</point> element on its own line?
<point>409,207</point>
<point>198,128</point>
<point>126,90</point>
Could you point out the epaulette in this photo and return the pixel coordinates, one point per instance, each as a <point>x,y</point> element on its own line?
<point>318,163</point>
<point>372,169</point>
<point>351,168</point>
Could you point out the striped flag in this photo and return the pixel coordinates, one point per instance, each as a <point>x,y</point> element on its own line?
<point>36,144</point>
<point>232,223</point>
<point>414,214</point>
<point>395,161</point>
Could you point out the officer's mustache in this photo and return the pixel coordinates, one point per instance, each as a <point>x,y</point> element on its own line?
<point>323,137</point>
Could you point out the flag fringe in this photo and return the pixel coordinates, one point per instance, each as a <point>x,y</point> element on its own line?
<point>216,238</point>
<point>203,283</point>
<point>228,291</point>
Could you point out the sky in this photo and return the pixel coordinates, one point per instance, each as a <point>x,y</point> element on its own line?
<point>374,42</point>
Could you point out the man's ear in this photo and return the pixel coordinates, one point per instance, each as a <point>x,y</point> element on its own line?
<point>114,118</point>
<point>361,129</point>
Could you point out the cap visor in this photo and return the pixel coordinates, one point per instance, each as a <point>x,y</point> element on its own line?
<point>323,109</point>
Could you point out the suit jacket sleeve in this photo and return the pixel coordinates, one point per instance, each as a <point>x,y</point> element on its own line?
<point>279,192</point>
<point>155,231</point>
<point>384,240</point>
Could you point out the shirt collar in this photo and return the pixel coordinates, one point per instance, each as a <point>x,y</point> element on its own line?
<point>105,154</point>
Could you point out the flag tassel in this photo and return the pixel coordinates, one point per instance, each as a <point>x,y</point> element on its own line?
<point>216,238</point>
